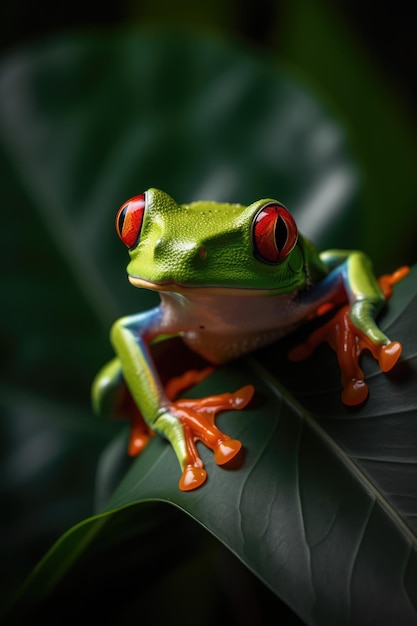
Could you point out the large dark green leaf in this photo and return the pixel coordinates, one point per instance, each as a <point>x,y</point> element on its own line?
<point>322,509</point>
<point>86,122</point>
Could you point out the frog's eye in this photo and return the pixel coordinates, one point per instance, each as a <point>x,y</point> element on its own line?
<point>129,220</point>
<point>274,233</point>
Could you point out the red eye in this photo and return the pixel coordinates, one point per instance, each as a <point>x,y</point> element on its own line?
<point>274,233</point>
<point>129,220</point>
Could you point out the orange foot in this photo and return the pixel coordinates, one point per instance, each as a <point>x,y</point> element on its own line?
<point>197,418</point>
<point>348,343</point>
<point>198,421</point>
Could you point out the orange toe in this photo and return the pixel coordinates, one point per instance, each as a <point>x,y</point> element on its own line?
<point>192,478</point>
<point>226,450</point>
<point>354,392</point>
<point>242,396</point>
<point>389,355</point>
<point>137,444</point>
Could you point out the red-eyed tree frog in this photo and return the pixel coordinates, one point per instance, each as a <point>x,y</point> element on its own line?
<point>231,278</point>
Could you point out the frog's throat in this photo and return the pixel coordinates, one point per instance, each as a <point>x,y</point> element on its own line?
<point>220,290</point>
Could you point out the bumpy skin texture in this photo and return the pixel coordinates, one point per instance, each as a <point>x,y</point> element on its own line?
<point>231,279</point>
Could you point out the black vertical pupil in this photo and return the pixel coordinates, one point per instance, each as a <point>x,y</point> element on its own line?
<point>281,233</point>
<point>121,219</point>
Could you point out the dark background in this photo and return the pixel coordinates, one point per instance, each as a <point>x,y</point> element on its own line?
<point>385,29</point>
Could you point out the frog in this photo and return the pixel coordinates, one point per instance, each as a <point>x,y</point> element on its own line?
<point>231,278</point>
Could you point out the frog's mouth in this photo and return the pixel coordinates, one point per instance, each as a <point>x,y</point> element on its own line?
<point>190,289</point>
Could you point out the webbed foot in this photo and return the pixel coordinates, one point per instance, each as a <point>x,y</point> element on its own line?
<point>185,421</point>
<point>348,342</point>
<point>197,421</point>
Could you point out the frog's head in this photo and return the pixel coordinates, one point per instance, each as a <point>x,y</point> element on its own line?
<point>213,245</point>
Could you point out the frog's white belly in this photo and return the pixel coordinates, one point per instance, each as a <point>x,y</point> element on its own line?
<point>219,348</point>
<point>223,327</point>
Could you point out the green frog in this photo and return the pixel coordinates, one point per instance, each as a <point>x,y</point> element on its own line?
<point>231,278</point>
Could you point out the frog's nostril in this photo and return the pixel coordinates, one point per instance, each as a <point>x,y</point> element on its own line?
<point>160,248</point>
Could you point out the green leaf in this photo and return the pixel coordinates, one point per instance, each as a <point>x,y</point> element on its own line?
<point>318,506</point>
<point>86,122</point>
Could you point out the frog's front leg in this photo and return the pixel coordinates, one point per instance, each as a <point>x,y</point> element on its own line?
<point>354,327</point>
<point>181,421</point>
<point>365,296</point>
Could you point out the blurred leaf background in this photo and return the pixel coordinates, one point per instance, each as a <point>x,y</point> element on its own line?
<point>358,60</point>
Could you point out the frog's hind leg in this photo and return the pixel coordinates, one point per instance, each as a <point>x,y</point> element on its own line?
<point>191,377</point>
<point>111,397</point>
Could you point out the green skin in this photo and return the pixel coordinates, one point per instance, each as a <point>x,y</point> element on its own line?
<point>221,297</point>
